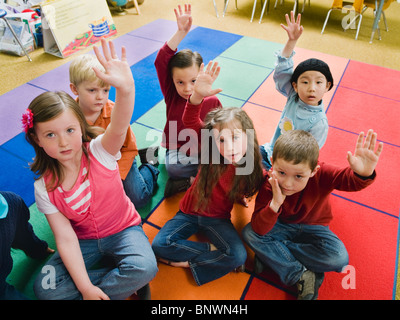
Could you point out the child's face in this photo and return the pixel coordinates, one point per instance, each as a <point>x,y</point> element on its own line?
<point>61,137</point>
<point>92,96</point>
<point>292,178</point>
<point>311,87</point>
<point>231,143</point>
<point>184,79</point>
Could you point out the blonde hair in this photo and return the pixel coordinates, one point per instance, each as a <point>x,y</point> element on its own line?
<point>81,69</point>
<point>210,172</point>
<point>297,146</point>
<point>45,107</point>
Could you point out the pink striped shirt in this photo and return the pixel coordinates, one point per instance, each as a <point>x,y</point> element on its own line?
<point>97,205</point>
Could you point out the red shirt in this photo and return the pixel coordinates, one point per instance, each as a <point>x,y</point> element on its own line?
<point>219,205</point>
<point>312,204</point>
<point>175,104</point>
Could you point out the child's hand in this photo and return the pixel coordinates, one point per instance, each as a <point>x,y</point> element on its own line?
<point>365,157</point>
<point>117,72</point>
<point>277,196</point>
<point>184,20</point>
<point>49,250</point>
<point>94,293</point>
<point>293,28</point>
<point>204,82</point>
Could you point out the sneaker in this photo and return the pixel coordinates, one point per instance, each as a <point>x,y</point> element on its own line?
<point>241,268</point>
<point>174,186</point>
<point>258,265</point>
<point>149,155</point>
<point>319,278</point>
<point>306,286</point>
<point>144,293</point>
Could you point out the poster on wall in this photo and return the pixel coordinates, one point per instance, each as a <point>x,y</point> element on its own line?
<point>72,25</point>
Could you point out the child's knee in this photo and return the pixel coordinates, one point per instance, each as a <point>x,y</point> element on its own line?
<point>174,170</point>
<point>338,259</point>
<point>159,243</point>
<point>236,253</point>
<point>341,260</point>
<point>240,256</point>
<point>150,267</point>
<point>179,170</point>
<point>47,287</point>
<point>140,267</point>
<point>248,234</point>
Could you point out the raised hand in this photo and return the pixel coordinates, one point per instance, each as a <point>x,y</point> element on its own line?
<point>204,81</point>
<point>366,154</point>
<point>119,75</point>
<point>184,19</point>
<point>293,28</point>
<point>117,72</point>
<point>294,31</point>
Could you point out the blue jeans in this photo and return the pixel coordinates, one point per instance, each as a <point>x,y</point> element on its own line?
<point>16,232</point>
<point>290,249</point>
<point>266,163</point>
<point>140,183</point>
<point>11,293</point>
<point>179,165</point>
<point>171,244</point>
<point>132,266</point>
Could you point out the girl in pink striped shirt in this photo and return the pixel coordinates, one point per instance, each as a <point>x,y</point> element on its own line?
<point>80,191</point>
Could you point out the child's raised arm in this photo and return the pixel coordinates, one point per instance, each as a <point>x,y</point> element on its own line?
<point>294,31</point>
<point>204,81</point>
<point>117,74</point>
<point>365,157</point>
<point>184,21</point>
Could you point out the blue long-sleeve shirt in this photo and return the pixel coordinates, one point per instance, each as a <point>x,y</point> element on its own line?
<point>296,115</point>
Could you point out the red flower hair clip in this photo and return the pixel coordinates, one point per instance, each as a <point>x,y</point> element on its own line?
<point>27,120</point>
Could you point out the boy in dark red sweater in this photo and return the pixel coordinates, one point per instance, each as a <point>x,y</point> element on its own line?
<point>289,228</point>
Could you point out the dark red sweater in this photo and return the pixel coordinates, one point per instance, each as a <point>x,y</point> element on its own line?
<point>219,205</point>
<point>312,204</point>
<point>175,104</point>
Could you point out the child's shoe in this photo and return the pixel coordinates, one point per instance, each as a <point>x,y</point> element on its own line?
<point>241,268</point>
<point>144,293</point>
<point>309,284</point>
<point>174,186</point>
<point>258,265</point>
<point>319,278</point>
<point>149,155</point>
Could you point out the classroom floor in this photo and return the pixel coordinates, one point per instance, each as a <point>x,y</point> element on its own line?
<point>366,221</point>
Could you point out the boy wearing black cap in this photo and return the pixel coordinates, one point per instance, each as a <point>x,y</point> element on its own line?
<point>304,87</point>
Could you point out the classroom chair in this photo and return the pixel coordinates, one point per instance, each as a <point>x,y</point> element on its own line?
<point>359,7</point>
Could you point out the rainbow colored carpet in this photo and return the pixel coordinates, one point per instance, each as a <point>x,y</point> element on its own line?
<point>364,96</point>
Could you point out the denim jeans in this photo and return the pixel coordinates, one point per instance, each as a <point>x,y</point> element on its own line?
<point>179,165</point>
<point>266,163</point>
<point>171,244</point>
<point>140,183</point>
<point>132,266</point>
<point>16,232</point>
<point>290,249</point>
<point>9,292</point>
